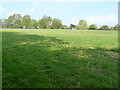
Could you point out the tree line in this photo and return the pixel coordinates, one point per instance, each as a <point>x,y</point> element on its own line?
<point>47,22</point>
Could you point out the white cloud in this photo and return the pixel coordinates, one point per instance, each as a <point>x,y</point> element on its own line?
<point>108,19</point>
<point>13,12</point>
<point>31,10</point>
<point>49,8</point>
<point>35,2</point>
<point>2,8</point>
<point>74,20</point>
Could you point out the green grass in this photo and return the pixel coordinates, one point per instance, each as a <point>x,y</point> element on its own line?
<point>59,59</point>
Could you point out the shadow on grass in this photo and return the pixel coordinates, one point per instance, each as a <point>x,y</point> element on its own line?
<point>33,61</point>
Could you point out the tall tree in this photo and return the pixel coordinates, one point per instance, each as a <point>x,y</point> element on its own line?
<point>115,27</point>
<point>45,22</point>
<point>17,20</point>
<point>13,21</point>
<point>72,26</point>
<point>56,24</point>
<point>104,27</point>
<point>1,23</point>
<point>26,21</point>
<point>9,22</point>
<point>5,23</point>
<point>34,23</point>
<point>93,27</point>
<point>82,25</point>
<point>65,27</point>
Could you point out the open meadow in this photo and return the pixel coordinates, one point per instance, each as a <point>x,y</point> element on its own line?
<point>59,58</point>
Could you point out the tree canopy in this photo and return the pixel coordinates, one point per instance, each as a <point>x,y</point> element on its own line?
<point>56,24</point>
<point>104,27</point>
<point>26,21</point>
<point>115,27</point>
<point>1,23</point>
<point>34,23</point>
<point>82,25</point>
<point>93,27</point>
<point>47,22</point>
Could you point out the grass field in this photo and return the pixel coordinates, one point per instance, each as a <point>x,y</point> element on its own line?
<point>59,59</point>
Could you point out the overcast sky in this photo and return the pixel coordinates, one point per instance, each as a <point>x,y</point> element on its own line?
<point>69,11</point>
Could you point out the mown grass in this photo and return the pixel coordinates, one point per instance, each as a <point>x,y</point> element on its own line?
<point>59,59</point>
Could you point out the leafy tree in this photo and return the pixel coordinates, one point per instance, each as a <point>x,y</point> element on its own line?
<point>65,27</point>
<point>9,22</point>
<point>1,23</point>
<point>45,22</point>
<point>118,27</point>
<point>13,21</point>
<point>115,27</point>
<point>34,23</point>
<point>56,24</point>
<point>72,26</point>
<point>17,20</point>
<point>5,23</point>
<point>26,21</point>
<point>111,28</point>
<point>104,27</point>
<point>93,27</point>
<point>82,25</point>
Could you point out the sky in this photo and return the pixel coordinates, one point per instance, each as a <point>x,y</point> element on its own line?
<point>100,12</point>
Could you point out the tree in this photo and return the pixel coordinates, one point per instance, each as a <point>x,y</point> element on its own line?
<point>65,27</point>
<point>26,21</point>
<point>17,20</point>
<point>5,23</point>
<point>104,27</point>
<point>45,22</point>
<point>13,21</point>
<point>72,26</point>
<point>82,25</point>
<point>1,23</point>
<point>34,23</point>
<point>93,27</point>
<point>9,22</point>
<point>115,27</point>
<point>56,24</point>
<point>111,28</point>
